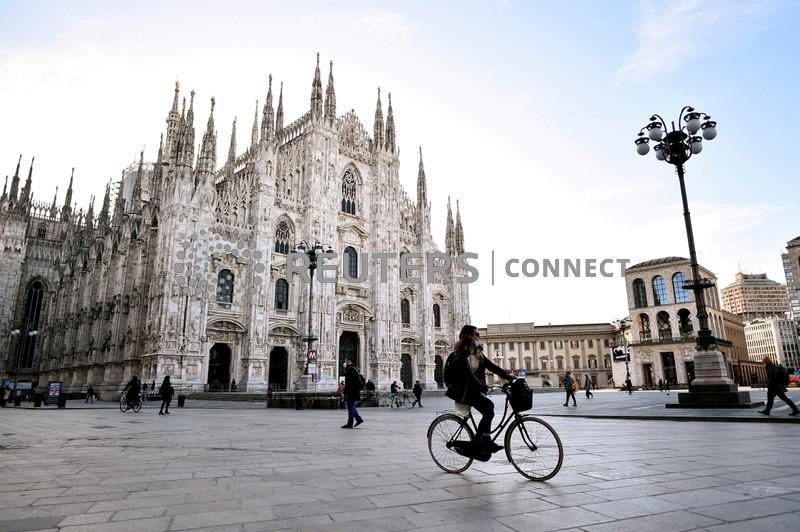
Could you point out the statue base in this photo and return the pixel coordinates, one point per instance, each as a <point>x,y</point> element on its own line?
<point>711,388</point>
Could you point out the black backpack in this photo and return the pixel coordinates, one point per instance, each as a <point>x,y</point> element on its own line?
<point>782,376</point>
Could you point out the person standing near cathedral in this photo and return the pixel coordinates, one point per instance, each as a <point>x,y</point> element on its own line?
<point>417,395</point>
<point>166,392</point>
<point>352,393</point>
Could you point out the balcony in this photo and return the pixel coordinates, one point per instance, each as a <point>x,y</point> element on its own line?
<point>683,339</point>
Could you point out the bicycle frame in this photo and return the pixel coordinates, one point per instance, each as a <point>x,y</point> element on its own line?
<point>500,427</point>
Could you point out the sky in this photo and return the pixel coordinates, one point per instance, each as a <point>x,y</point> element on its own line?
<point>526,113</point>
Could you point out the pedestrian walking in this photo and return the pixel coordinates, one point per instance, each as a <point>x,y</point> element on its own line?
<point>340,393</point>
<point>570,385</point>
<point>588,385</point>
<point>417,394</point>
<point>660,385</point>
<point>166,392</point>
<point>777,380</point>
<point>666,385</point>
<point>352,392</point>
<point>629,386</point>
<point>144,392</point>
<point>89,394</point>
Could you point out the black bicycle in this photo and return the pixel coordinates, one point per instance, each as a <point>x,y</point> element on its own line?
<point>125,405</point>
<point>532,446</point>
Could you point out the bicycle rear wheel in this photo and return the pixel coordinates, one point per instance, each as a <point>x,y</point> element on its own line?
<point>442,431</point>
<point>407,402</point>
<point>137,406</point>
<point>534,448</point>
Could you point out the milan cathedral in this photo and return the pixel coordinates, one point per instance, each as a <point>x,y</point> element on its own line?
<point>183,272</point>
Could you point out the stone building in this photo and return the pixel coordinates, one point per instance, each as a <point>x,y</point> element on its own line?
<point>664,323</point>
<point>775,337</point>
<point>791,268</point>
<point>545,352</point>
<point>753,296</point>
<point>184,272</point>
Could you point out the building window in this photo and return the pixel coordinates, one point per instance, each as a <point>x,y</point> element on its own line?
<point>510,346</point>
<point>560,362</point>
<point>349,193</point>
<point>527,346</point>
<point>681,295</point>
<point>352,262</point>
<point>664,327</point>
<point>33,310</point>
<point>639,294</point>
<point>576,362</point>
<point>528,362</point>
<point>592,363</point>
<point>437,315</point>
<point>607,361</point>
<point>281,294</point>
<point>574,344</point>
<point>644,327</point>
<point>659,291</point>
<point>405,311</point>
<point>41,231</point>
<point>283,238</point>
<point>591,344</point>
<point>558,344</point>
<point>225,286</point>
<point>544,363</point>
<point>685,327</point>
<point>606,342</point>
<point>541,345</point>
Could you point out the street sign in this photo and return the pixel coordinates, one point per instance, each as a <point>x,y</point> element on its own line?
<point>312,356</point>
<point>621,356</point>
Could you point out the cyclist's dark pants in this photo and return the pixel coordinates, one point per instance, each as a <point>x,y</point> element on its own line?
<point>485,406</point>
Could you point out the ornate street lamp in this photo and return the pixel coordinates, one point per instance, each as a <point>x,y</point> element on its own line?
<point>676,145</point>
<point>312,252</point>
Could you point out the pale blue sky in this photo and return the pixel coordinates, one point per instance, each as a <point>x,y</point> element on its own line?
<point>526,112</point>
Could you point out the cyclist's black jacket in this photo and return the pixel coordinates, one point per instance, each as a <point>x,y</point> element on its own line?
<point>467,386</point>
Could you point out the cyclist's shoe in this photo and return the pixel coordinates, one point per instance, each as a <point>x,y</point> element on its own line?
<point>488,445</point>
<point>347,426</point>
<point>359,422</point>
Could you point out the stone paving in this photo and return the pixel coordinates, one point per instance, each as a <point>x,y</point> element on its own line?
<point>240,467</point>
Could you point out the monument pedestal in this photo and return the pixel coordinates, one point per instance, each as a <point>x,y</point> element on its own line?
<point>305,384</point>
<point>710,388</point>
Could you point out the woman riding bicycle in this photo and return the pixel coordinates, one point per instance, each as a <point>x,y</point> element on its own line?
<point>467,381</point>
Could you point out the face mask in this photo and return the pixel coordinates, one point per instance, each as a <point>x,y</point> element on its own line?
<point>477,344</point>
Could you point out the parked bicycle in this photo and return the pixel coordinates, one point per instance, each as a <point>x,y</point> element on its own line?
<point>532,446</point>
<point>135,404</point>
<point>400,400</point>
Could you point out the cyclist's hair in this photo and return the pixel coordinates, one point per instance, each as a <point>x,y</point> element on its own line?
<point>462,345</point>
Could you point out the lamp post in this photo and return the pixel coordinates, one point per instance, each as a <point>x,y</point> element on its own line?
<point>312,252</point>
<point>497,362</point>
<point>676,145</point>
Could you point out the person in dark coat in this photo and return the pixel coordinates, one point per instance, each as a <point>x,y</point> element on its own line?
<point>132,390</point>
<point>629,386</point>
<point>352,393</point>
<point>775,387</point>
<point>468,385</point>
<point>166,392</point>
<point>417,394</point>
<point>588,385</point>
<point>89,394</point>
<point>570,386</point>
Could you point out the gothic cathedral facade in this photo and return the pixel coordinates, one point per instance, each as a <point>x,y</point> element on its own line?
<point>186,274</point>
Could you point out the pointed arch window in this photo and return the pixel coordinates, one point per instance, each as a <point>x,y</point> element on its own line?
<point>283,238</point>
<point>225,286</point>
<point>281,294</point>
<point>681,295</point>
<point>349,193</point>
<point>405,311</point>
<point>33,311</point>
<point>639,294</point>
<point>351,261</point>
<point>437,315</point>
<point>41,231</point>
<point>659,291</point>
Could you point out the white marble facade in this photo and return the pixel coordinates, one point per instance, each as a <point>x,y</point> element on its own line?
<point>185,274</point>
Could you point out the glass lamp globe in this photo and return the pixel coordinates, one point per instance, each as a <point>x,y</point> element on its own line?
<point>693,123</point>
<point>659,150</point>
<point>709,130</point>
<point>654,131</point>
<point>697,145</point>
<point>642,147</point>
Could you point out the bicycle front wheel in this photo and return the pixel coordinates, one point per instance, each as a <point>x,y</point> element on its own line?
<point>137,406</point>
<point>408,403</point>
<point>534,448</point>
<point>442,432</point>
<point>122,406</point>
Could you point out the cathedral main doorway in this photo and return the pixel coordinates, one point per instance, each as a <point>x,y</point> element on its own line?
<point>348,348</point>
<point>405,370</point>
<point>219,367</point>
<point>278,369</point>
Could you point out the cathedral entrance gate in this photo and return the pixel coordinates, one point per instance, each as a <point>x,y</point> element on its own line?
<point>405,370</point>
<point>219,367</point>
<point>348,348</point>
<point>278,369</point>
<point>437,371</point>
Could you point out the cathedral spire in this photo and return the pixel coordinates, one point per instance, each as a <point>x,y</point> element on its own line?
<point>422,192</point>
<point>25,195</point>
<point>254,134</point>
<point>377,130</point>
<point>390,144</point>
<point>102,221</point>
<point>207,160</point>
<point>449,238</point>
<point>90,215</point>
<point>53,206</point>
<point>66,210</point>
<point>459,233</point>
<point>316,94</point>
<point>5,190</point>
<point>279,113</point>
<point>330,99</point>
<point>175,99</point>
<point>137,185</point>
<point>232,149</point>
<point>268,116</point>
<point>15,182</point>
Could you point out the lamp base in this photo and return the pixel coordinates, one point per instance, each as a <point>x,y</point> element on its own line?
<point>304,383</point>
<point>711,388</point>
